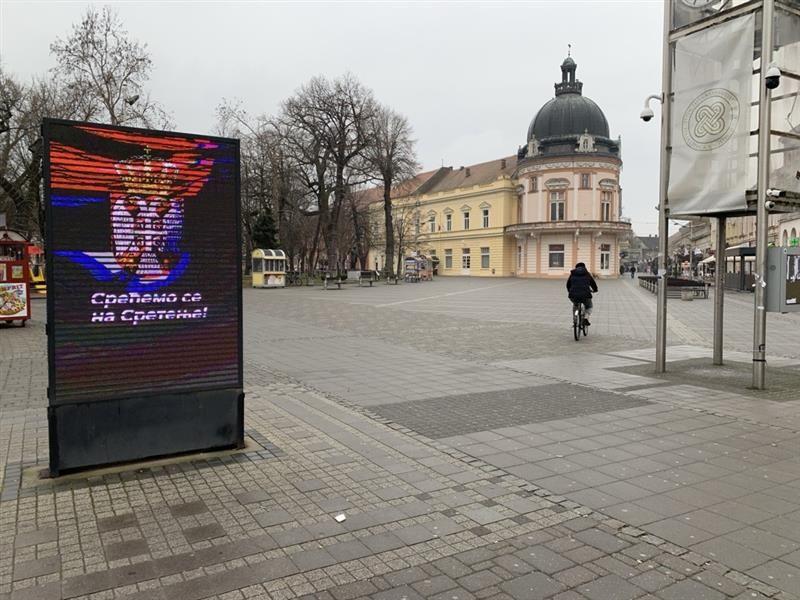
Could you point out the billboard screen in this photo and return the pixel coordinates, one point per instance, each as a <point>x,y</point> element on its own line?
<point>144,244</point>
<point>144,291</point>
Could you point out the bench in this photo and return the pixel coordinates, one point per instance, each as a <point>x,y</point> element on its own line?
<point>359,277</point>
<point>677,287</point>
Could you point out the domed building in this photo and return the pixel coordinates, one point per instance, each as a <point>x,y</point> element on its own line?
<point>534,214</point>
<point>570,207</point>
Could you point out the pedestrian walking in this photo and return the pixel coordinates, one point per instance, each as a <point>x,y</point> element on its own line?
<point>633,271</point>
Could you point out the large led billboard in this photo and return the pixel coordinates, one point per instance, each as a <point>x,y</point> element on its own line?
<point>144,294</point>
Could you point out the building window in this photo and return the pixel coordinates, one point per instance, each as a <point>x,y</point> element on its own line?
<point>485,215</point>
<point>557,206</point>
<point>519,258</point>
<point>448,222</point>
<point>556,252</point>
<point>605,206</point>
<point>448,257</point>
<point>432,224</point>
<point>534,184</point>
<point>416,223</point>
<point>465,258</point>
<point>484,258</point>
<point>466,219</point>
<point>605,257</point>
<point>586,181</point>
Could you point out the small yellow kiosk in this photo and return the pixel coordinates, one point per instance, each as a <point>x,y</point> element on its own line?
<point>269,268</point>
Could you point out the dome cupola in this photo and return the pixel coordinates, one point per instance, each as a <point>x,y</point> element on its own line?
<point>570,113</point>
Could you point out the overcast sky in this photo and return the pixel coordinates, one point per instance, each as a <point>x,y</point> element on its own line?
<point>469,76</point>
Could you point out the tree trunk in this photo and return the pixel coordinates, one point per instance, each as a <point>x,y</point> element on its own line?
<point>387,214</point>
<point>399,256</point>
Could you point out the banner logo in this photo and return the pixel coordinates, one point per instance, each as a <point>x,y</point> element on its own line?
<point>710,119</point>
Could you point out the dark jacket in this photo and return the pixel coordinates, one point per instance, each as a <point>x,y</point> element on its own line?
<point>580,284</point>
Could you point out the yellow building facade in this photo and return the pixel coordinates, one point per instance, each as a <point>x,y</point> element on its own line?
<point>536,214</point>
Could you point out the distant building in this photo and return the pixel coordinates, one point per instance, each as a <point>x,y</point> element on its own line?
<point>556,202</point>
<point>639,251</point>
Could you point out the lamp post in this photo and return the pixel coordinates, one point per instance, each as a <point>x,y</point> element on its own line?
<point>663,209</point>
<point>764,122</point>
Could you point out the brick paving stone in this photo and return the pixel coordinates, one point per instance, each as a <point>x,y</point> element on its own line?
<point>127,549</point>
<point>535,586</point>
<point>652,580</point>
<point>400,593</point>
<point>38,536</point>
<point>690,589</point>
<point>601,540</point>
<point>37,567</point>
<point>610,587</point>
<point>434,585</point>
<point>349,591</point>
<point>543,559</point>
<point>117,522</point>
<point>188,509</point>
<point>253,497</point>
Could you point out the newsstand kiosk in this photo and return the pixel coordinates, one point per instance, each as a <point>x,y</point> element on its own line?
<point>15,299</point>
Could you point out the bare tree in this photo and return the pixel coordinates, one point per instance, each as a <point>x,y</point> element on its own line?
<point>271,181</point>
<point>102,62</point>
<point>326,128</point>
<point>22,108</point>
<point>406,219</point>
<point>391,158</point>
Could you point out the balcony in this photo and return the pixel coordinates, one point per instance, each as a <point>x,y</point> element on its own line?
<point>555,226</point>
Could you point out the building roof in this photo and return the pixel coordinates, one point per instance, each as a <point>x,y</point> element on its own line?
<point>649,241</point>
<point>404,188</point>
<point>570,112</point>
<point>446,179</point>
<point>449,178</point>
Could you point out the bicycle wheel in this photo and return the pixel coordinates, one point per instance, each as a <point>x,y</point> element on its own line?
<point>577,320</point>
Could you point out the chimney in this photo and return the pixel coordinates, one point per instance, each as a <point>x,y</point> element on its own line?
<point>467,174</point>
<point>503,164</point>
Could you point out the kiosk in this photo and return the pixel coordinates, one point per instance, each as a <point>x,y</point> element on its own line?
<point>269,268</point>
<point>15,298</point>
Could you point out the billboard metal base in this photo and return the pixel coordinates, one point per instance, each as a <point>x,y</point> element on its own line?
<point>121,430</point>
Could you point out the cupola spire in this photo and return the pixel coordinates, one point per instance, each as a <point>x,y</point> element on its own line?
<point>569,83</point>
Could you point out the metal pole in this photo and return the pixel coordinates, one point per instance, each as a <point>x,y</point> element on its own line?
<point>719,289</point>
<point>762,225</point>
<point>663,223</point>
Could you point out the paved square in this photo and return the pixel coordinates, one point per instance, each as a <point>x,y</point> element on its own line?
<point>474,448</point>
<point>470,413</point>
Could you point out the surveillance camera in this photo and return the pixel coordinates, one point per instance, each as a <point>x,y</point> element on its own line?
<point>647,114</point>
<point>773,77</point>
<point>770,204</point>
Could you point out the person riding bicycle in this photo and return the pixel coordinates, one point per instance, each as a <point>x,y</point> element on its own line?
<point>580,286</point>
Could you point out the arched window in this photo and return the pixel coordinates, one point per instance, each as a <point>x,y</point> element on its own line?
<point>793,235</point>
<point>785,238</point>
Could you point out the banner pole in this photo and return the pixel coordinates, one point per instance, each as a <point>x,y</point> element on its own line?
<point>663,223</point>
<point>719,289</point>
<point>762,224</point>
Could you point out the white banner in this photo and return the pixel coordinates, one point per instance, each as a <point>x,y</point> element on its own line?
<point>712,85</point>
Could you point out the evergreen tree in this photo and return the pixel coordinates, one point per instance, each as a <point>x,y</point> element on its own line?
<point>264,231</point>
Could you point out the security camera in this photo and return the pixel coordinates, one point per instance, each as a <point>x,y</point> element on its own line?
<point>773,78</point>
<point>647,112</point>
<point>770,204</point>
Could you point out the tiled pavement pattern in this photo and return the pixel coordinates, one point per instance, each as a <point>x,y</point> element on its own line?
<point>634,487</point>
<point>473,413</point>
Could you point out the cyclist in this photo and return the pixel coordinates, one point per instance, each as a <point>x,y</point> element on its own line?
<point>580,286</point>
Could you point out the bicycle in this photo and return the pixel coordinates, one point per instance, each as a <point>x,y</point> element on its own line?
<point>578,320</point>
